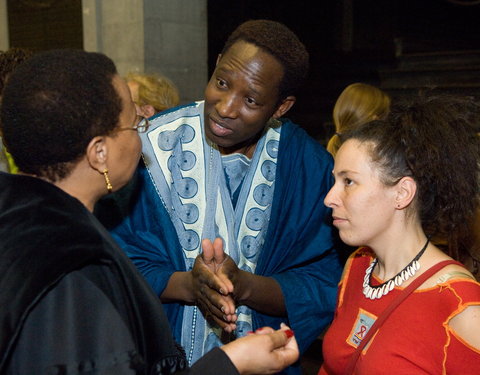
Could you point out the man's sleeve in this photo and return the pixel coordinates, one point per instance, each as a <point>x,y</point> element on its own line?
<point>301,249</point>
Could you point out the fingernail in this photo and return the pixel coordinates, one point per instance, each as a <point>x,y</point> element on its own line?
<point>289,333</point>
<point>250,333</point>
<point>221,291</point>
<point>223,310</point>
<point>259,329</point>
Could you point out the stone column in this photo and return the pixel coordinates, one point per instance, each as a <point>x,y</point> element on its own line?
<point>176,43</point>
<point>162,36</point>
<point>4,44</point>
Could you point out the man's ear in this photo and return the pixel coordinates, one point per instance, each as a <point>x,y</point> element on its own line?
<point>284,106</point>
<point>97,153</point>
<point>406,190</point>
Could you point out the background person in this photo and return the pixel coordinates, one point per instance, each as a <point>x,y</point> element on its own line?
<point>232,167</point>
<point>397,183</point>
<point>72,302</point>
<point>152,92</point>
<point>357,104</point>
<point>9,60</point>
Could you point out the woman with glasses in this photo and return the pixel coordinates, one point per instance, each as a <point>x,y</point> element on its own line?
<point>151,94</point>
<point>71,301</point>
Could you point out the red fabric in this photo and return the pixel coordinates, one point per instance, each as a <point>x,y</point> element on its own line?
<point>415,339</point>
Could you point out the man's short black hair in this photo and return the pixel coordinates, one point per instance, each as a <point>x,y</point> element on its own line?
<point>53,105</point>
<point>278,40</point>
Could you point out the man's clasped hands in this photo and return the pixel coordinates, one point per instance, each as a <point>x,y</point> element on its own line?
<point>215,278</point>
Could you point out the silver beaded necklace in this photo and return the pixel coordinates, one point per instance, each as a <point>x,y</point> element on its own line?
<point>378,291</point>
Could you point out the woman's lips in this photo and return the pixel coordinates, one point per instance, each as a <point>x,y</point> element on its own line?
<point>338,220</point>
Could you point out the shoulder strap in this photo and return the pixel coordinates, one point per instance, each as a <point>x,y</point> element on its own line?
<point>386,313</point>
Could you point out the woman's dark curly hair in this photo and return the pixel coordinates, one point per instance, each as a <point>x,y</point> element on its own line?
<point>281,43</point>
<point>434,140</point>
<point>53,105</point>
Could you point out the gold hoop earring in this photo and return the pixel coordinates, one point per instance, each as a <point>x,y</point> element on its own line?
<point>107,180</point>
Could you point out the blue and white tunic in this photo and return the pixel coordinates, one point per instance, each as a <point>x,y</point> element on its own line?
<point>268,210</point>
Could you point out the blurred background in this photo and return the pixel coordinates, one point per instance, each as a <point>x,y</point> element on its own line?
<point>399,45</point>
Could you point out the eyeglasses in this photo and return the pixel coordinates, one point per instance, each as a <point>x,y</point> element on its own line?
<point>141,126</point>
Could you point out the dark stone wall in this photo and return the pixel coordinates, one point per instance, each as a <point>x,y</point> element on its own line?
<point>395,44</point>
<point>45,24</point>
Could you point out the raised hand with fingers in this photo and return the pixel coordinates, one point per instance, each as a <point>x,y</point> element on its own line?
<point>211,289</point>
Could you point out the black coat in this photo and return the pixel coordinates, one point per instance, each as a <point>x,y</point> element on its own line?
<point>71,301</point>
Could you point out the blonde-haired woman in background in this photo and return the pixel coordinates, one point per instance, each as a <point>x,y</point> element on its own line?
<point>152,92</point>
<point>357,104</point>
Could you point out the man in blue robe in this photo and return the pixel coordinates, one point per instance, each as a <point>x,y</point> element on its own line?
<point>232,167</point>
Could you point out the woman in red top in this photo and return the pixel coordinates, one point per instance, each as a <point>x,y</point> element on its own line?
<point>398,183</point>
